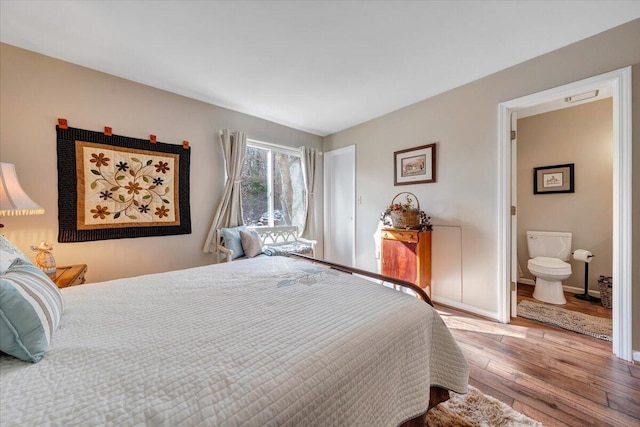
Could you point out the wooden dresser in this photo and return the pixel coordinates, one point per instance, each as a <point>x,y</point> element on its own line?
<point>406,255</point>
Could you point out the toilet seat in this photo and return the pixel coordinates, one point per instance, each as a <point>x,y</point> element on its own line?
<point>551,266</point>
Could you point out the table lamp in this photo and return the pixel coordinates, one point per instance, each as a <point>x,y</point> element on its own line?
<point>13,200</point>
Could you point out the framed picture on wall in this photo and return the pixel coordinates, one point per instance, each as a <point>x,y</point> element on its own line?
<point>553,179</point>
<point>415,165</point>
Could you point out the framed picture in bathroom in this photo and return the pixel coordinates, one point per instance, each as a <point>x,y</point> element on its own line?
<point>553,179</point>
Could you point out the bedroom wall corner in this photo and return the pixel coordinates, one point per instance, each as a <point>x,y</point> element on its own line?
<point>464,121</point>
<point>35,90</point>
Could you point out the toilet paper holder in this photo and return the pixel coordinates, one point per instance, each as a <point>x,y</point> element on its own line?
<point>582,255</point>
<point>585,256</point>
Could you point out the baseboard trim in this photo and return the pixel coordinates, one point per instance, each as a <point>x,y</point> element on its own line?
<point>573,290</point>
<point>570,289</point>
<point>636,356</point>
<point>491,315</point>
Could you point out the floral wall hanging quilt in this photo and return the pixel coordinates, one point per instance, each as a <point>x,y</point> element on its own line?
<point>113,187</point>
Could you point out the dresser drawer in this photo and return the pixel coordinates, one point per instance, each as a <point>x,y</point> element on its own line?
<point>410,236</point>
<point>71,275</point>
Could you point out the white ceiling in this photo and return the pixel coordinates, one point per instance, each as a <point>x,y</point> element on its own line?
<point>318,66</point>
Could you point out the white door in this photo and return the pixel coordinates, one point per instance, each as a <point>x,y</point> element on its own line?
<point>514,217</point>
<point>340,205</point>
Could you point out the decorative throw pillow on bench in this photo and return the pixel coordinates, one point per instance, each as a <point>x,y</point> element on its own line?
<point>251,243</point>
<point>232,240</point>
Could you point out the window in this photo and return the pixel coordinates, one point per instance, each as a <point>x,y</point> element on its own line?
<point>272,186</point>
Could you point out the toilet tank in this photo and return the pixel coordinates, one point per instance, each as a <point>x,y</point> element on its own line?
<point>553,244</point>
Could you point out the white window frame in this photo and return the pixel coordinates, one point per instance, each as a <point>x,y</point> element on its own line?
<point>271,148</point>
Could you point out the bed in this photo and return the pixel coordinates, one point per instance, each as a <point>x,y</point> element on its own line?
<point>269,341</point>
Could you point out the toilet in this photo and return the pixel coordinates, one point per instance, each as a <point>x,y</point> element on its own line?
<point>549,252</point>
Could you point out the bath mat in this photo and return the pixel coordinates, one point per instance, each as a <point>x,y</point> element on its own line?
<point>476,409</point>
<point>597,327</point>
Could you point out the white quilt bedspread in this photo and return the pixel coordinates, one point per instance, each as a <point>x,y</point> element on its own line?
<point>261,342</point>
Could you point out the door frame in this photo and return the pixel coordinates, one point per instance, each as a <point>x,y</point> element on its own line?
<point>328,155</point>
<point>513,127</point>
<point>620,83</point>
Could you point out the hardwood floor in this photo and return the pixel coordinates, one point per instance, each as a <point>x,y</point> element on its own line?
<point>558,377</point>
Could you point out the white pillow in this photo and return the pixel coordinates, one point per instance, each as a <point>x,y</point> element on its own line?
<point>251,243</point>
<point>8,253</point>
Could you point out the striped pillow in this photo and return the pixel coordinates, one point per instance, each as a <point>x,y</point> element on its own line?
<point>31,306</point>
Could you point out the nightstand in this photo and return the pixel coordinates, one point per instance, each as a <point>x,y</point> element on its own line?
<point>70,275</point>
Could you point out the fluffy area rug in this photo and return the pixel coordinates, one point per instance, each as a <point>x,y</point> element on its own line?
<point>476,409</point>
<point>597,327</point>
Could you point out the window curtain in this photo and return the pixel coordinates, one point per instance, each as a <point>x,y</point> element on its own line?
<point>229,213</point>
<point>308,158</point>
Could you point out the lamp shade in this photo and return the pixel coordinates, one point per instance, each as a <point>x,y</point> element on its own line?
<point>13,199</point>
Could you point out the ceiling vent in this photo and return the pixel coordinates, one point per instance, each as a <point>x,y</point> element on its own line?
<point>582,96</point>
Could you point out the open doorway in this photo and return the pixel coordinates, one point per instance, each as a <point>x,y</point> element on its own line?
<point>619,83</point>
<point>575,208</point>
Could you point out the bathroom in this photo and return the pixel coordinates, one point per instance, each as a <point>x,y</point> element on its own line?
<point>580,134</point>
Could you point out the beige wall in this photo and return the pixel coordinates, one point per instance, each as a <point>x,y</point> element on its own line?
<point>582,135</point>
<point>464,122</point>
<point>35,90</point>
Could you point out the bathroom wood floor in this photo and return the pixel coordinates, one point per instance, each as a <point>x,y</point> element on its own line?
<point>525,292</point>
<point>558,377</point>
